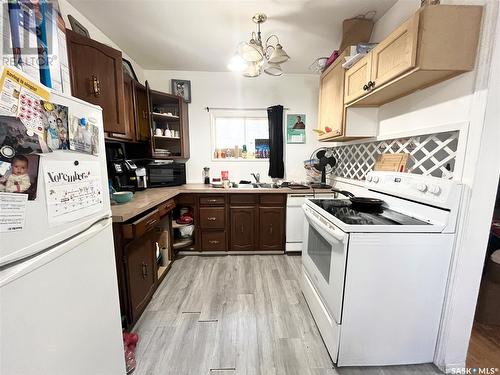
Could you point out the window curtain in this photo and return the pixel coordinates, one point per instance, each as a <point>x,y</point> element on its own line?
<point>275,118</point>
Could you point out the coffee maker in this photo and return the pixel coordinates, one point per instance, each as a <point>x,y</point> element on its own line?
<point>123,173</point>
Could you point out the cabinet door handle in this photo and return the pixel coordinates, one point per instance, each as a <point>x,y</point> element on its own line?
<point>365,87</point>
<point>144,270</point>
<point>241,228</point>
<point>150,223</point>
<point>271,229</point>
<point>213,242</point>
<point>95,86</point>
<point>211,218</point>
<point>371,84</point>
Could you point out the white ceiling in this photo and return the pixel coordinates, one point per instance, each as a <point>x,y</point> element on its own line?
<point>202,34</point>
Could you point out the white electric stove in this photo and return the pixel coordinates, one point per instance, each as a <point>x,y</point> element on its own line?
<point>375,280</point>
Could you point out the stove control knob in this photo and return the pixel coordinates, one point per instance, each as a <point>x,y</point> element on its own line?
<point>368,178</point>
<point>436,190</point>
<point>422,187</point>
<point>375,179</point>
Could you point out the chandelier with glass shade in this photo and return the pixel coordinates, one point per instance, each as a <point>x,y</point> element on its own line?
<point>255,56</point>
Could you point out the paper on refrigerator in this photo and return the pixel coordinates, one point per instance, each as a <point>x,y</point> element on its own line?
<point>12,211</point>
<point>73,190</point>
<point>20,97</point>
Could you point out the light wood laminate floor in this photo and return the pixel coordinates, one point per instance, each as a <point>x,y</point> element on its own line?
<point>235,315</point>
<point>484,346</point>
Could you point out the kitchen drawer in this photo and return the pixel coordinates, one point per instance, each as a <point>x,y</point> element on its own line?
<point>141,226</point>
<point>212,217</point>
<point>273,199</point>
<point>213,241</point>
<point>183,199</point>
<point>166,207</point>
<point>212,200</point>
<point>243,199</point>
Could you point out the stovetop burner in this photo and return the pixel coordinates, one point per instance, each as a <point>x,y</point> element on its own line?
<point>343,210</point>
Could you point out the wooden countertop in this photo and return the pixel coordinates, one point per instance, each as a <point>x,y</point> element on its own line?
<point>150,198</point>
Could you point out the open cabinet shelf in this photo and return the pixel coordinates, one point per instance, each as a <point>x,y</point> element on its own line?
<point>161,104</point>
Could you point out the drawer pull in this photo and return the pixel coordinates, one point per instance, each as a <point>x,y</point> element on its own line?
<point>150,222</point>
<point>213,242</point>
<point>212,200</point>
<point>211,218</point>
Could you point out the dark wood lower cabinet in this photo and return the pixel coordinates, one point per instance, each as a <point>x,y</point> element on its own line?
<point>212,217</point>
<point>141,271</point>
<point>213,240</point>
<point>243,228</point>
<point>257,222</point>
<point>271,228</point>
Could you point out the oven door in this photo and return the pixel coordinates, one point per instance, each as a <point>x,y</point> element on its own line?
<point>324,256</point>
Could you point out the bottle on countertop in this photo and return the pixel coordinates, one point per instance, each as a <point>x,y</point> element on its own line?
<point>206,175</point>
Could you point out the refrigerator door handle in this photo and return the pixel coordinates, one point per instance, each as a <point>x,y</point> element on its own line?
<point>16,270</point>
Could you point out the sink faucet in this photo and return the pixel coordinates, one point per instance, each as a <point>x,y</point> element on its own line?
<point>256,176</point>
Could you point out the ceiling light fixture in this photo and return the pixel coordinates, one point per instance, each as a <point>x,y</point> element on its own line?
<point>254,57</point>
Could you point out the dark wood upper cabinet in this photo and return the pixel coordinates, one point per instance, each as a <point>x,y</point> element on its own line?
<point>128,90</point>
<point>142,110</point>
<point>97,77</point>
<point>243,227</point>
<point>271,228</point>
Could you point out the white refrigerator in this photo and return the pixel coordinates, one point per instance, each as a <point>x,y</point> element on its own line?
<point>59,306</point>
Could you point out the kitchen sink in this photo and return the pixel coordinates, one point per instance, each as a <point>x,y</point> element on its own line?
<point>263,185</point>
<point>254,185</point>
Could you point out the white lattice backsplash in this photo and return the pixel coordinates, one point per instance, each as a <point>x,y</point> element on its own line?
<point>429,155</point>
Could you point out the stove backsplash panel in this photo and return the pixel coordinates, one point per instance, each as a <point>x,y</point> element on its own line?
<point>430,155</point>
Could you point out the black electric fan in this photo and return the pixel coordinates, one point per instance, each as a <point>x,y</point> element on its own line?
<point>325,160</point>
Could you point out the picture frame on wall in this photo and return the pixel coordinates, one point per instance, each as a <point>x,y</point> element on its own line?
<point>77,27</point>
<point>182,88</point>
<point>296,128</point>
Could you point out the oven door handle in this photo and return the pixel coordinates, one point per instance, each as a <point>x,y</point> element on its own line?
<point>330,233</point>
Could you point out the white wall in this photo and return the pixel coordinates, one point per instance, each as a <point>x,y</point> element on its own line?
<point>96,34</point>
<point>228,90</point>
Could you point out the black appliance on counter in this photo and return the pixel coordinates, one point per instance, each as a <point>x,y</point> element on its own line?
<point>166,173</point>
<point>123,173</point>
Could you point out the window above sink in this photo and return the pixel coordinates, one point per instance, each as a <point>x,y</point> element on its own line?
<point>241,135</point>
